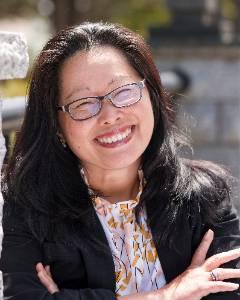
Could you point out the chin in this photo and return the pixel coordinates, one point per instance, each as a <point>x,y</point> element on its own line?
<point>120,164</point>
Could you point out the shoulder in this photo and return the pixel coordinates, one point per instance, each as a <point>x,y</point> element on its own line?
<point>19,220</point>
<point>211,207</point>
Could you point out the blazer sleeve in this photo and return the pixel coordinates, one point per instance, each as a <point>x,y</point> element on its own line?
<point>20,253</point>
<point>226,237</point>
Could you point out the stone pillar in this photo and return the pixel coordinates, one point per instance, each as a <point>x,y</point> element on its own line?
<point>13,64</point>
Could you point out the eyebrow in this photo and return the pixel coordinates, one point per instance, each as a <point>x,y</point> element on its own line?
<point>80,89</point>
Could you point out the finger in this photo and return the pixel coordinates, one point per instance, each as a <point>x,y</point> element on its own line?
<point>39,267</point>
<point>201,252</point>
<point>49,284</point>
<point>216,260</point>
<point>222,274</point>
<point>221,286</point>
<point>47,269</point>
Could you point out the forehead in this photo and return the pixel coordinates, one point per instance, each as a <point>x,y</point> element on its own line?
<point>99,59</point>
<point>94,69</point>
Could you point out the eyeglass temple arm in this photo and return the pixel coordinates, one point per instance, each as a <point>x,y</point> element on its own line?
<point>142,83</point>
<point>62,108</point>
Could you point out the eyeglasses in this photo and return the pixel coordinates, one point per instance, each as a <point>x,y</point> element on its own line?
<point>85,108</point>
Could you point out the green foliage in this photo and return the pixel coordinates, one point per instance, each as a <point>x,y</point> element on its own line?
<point>228,9</point>
<point>140,14</point>
<point>17,8</point>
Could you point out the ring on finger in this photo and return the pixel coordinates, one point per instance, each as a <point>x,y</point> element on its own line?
<point>214,275</point>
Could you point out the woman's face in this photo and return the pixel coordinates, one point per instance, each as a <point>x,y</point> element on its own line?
<point>98,72</point>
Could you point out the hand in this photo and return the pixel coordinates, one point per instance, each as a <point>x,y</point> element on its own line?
<point>203,276</point>
<point>45,276</point>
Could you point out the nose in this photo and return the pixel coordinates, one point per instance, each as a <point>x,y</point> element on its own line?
<point>109,114</point>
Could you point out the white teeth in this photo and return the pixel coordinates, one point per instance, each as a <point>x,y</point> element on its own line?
<point>116,137</point>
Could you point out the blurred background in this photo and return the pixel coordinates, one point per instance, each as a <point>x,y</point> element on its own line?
<point>196,46</point>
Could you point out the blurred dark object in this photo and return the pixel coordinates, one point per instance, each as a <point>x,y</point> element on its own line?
<point>195,23</point>
<point>64,13</point>
<point>237,21</point>
<point>176,81</point>
<point>70,12</point>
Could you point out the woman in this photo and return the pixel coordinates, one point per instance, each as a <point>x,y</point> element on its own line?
<point>98,202</point>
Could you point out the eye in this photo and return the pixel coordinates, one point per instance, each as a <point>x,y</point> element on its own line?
<point>84,108</point>
<point>125,94</point>
<point>83,104</point>
<point>122,92</point>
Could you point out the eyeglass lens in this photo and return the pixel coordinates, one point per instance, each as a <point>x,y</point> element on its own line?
<point>88,107</point>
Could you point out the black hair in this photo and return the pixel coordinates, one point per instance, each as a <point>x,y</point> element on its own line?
<point>43,178</point>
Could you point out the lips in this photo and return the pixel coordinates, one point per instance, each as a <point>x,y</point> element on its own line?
<point>114,131</point>
<point>115,137</point>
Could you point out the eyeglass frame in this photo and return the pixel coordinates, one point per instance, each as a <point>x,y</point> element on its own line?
<point>65,108</point>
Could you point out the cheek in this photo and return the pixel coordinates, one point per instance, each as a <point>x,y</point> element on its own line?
<point>74,136</point>
<point>147,116</point>
<point>73,132</point>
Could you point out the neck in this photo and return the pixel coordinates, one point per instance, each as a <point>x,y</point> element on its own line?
<point>114,185</point>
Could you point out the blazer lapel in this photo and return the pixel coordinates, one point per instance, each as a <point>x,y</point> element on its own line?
<point>98,259</point>
<point>175,259</point>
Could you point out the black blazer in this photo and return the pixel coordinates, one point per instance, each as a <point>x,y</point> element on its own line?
<point>86,272</point>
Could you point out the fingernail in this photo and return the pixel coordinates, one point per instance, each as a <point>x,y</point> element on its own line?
<point>235,286</point>
<point>209,233</point>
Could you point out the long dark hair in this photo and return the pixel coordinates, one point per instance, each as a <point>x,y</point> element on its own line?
<point>43,178</point>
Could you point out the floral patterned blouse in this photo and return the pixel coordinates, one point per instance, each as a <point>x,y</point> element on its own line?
<point>137,266</point>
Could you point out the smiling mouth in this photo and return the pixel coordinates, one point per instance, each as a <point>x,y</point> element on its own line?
<point>116,139</point>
